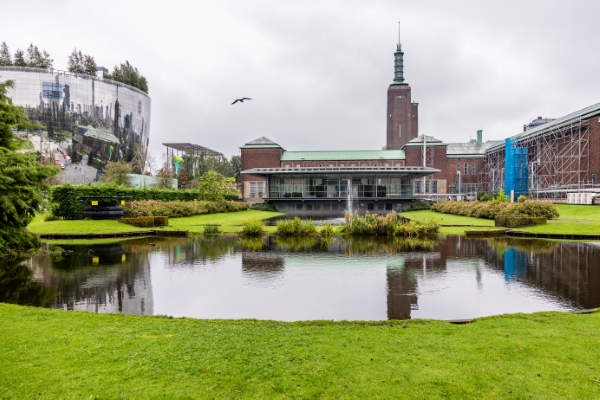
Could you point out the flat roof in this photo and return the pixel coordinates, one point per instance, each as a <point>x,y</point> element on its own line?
<point>343,155</point>
<point>468,150</point>
<point>190,148</point>
<point>417,172</point>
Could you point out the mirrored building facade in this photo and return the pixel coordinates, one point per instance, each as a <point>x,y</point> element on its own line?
<point>68,103</point>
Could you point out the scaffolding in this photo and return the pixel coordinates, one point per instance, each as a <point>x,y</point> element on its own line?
<point>427,158</point>
<point>515,167</point>
<point>558,161</point>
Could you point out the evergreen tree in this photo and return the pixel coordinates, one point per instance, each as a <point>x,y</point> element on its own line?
<point>38,59</point>
<point>20,59</point>
<point>21,181</point>
<point>5,58</point>
<point>89,65</point>
<point>75,62</point>
<point>129,75</point>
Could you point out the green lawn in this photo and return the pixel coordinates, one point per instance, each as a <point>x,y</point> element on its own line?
<point>59,354</point>
<point>39,226</point>
<point>229,221</point>
<point>446,219</point>
<point>569,211</point>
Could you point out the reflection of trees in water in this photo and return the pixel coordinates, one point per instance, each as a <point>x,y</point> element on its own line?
<point>98,278</point>
<point>262,268</point>
<point>18,287</point>
<point>201,250</point>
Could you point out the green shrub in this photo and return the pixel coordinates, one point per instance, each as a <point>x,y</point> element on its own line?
<point>420,205</point>
<point>295,227</point>
<point>493,209</point>
<point>50,217</point>
<point>388,225</point>
<point>522,198</point>
<point>512,221</point>
<point>263,207</point>
<point>180,208</point>
<point>251,227</point>
<point>327,231</point>
<point>141,222</point>
<point>161,221</point>
<point>211,229</point>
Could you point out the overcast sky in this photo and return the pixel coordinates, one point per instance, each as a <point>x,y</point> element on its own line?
<point>318,71</point>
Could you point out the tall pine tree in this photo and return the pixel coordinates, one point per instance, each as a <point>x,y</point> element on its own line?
<point>21,181</point>
<point>5,58</point>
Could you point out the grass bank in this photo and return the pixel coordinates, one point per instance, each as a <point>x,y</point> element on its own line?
<point>58,354</point>
<point>449,219</point>
<point>573,220</point>
<point>229,223</point>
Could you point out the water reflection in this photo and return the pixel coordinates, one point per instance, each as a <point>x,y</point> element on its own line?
<point>270,278</point>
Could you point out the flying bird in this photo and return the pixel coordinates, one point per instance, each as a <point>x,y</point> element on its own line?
<point>241,100</point>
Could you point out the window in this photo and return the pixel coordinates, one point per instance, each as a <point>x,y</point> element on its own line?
<point>319,165</point>
<point>260,189</point>
<point>334,207</point>
<point>308,165</point>
<point>452,189</point>
<point>252,190</point>
<point>466,169</point>
<point>473,169</point>
<point>291,207</point>
<point>354,165</point>
<point>375,164</point>
<point>298,207</point>
<point>380,206</point>
<point>341,165</point>
<point>371,207</point>
<point>331,165</point>
<point>388,206</point>
<point>418,187</point>
<point>458,167</point>
<point>317,207</point>
<point>471,188</point>
<point>593,178</point>
<point>399,130</point>
<point>434,187</point>
<point>309,207</point>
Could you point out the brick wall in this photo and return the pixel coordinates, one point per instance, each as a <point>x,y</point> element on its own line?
<point>258,158</point>
<point>399,108</point>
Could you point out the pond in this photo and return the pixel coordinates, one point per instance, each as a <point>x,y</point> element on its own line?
<point>341,279</point>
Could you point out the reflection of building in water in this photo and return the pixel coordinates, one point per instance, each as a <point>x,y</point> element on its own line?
<point>262,268</point>
<point>402,281</point>
<point>105,279</point>
<point>567,270</point>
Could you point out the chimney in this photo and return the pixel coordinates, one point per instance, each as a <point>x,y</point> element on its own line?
<point>479,137</point>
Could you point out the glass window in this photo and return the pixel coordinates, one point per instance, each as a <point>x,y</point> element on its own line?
<point>473,169</point>
<point>252,190</point>
<point>434,186</point>
<point>291,207</point>
<point>388,206</point>
<point>298,206</point>
<point>399,130</point>
<point>466,169</point>
<point>260,189</point>
<point>334,207</point>
<point>593,178</point>
<point>458,167</point>
<point>309,207</point>
<point>418,187</point>
<point>380,206</point>
<point>317,207</point>
<point>371,207</point>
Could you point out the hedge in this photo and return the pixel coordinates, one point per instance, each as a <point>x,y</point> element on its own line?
<point>491,210</point>
<point>65,201</point>
<point>518,221</point>
<point>145,222</point>
<point>147,208</point>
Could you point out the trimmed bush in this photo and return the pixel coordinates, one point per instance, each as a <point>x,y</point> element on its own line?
<point>65,197</point>
<point>180,208</point>
<point>420,205</point>
<point>518,221</point>
<point>263,207</point>
<point>161,221</point>
<point>493,209</point>
<point>140,222</point>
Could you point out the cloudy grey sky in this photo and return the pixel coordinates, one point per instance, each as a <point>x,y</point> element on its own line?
<point>318,71</point>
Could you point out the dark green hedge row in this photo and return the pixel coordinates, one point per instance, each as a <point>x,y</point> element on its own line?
<point>518,221</point>
<point>145,222</point>
<point>65,197</point>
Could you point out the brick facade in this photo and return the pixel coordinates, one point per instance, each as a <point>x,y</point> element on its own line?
<point>402,117</point>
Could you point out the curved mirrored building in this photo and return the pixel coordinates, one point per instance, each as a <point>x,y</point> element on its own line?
<point>99,114</point>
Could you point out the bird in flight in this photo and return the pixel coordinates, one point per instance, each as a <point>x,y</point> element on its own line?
<point>241,100</point>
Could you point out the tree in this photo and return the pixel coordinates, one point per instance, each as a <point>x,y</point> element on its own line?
<point>21,181</point>
<point>214,187</point>
<point>20,59</point>
<point>36,58</point>
<point>117,172</point>
<point>81,64</point>
<point>236,167</point>
<point>5,58</point>
<point>129,75</point>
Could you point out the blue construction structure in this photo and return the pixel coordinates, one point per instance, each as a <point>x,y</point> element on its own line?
<point>516,168</point>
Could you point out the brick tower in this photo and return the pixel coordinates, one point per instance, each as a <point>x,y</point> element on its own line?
<point>402,114</point>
